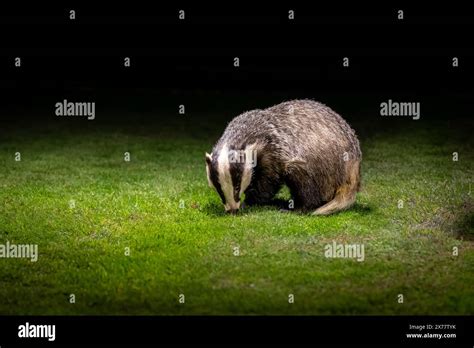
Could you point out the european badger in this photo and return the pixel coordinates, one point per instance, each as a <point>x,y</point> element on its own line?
<point>300,143</point>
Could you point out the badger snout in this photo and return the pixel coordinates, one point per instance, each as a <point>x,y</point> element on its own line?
<point>232,208</point>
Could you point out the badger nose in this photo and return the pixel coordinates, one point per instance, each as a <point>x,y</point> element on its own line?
<point>233,211</point>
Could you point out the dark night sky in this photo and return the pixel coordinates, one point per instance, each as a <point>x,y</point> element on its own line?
<point>408,59</point>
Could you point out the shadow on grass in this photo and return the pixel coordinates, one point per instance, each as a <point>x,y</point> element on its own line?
<point>281,205</point>
<point>457,221</point>
<point>214,209</point>
<point>464,221</point>
<point>361,209</point>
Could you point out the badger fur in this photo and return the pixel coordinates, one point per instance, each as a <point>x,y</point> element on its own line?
<point>301,143</point>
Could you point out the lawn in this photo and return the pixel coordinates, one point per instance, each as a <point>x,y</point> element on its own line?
<point>131,237</point>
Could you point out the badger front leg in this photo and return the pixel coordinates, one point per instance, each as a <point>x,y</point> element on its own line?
<point>261,191</point>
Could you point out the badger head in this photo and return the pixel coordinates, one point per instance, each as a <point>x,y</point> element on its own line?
<point>229,172</point>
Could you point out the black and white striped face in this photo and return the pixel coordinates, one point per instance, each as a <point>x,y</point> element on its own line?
<point>230,175</point>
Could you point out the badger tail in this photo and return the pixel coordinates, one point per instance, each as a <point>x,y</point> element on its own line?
<point>346,193</point>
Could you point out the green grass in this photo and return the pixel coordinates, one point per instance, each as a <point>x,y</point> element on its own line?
<point>190,250</point>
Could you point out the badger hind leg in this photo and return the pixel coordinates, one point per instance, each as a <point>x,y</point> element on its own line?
<point>346,193</point>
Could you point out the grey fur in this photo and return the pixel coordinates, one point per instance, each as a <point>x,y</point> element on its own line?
<point>303,144</point>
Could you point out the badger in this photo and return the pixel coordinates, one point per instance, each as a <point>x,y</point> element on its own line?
<point>302,144</point>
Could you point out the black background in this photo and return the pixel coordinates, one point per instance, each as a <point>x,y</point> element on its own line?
<point>191,61</point>
<point>347,330</point>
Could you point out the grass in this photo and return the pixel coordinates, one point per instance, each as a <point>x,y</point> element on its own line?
<point>159,206</point>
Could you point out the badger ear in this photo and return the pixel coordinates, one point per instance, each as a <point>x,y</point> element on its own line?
<point>208,158</point>
<point>208,169</point>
